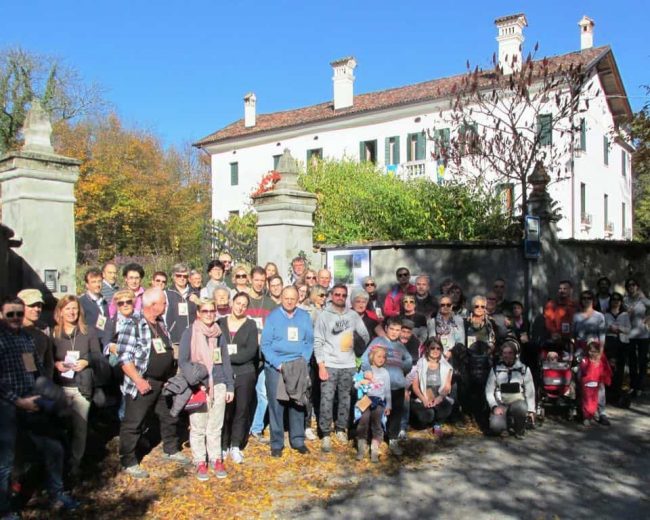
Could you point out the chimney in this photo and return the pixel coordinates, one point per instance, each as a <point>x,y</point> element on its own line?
<point>511,38</point>
<point>586,33</point>
<point>343,81</point>
<point>249,109</point>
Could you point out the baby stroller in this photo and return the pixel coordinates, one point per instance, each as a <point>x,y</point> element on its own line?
<point>557,391</point>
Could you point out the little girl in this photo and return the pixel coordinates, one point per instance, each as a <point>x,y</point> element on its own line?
<point>595,374</point>
<point>374,405</point>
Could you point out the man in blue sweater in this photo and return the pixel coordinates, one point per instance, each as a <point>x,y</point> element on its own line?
<point>287,336</point>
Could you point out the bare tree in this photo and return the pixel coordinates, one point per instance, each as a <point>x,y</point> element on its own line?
<point>502,124</point>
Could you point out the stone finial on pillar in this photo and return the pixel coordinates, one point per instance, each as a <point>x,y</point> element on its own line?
<point>539,201</point>
<point>285,218</point>
<point>37,130</point>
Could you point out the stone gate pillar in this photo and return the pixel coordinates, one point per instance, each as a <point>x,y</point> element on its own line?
<point>38,204</point>
<point>285,219</point>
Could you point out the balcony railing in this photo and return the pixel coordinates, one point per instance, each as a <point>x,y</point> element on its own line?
<point>585,221</point>
<point>609,229</point>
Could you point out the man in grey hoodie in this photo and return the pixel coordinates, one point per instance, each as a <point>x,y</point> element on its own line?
<point>334,350</point>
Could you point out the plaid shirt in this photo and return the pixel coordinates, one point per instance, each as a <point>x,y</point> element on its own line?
<point>134,343</point>
<point>15,381</point>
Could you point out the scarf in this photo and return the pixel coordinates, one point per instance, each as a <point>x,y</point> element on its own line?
<point>202,346</point>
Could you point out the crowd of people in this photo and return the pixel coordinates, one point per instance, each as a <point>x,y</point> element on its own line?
<point>243,350</point>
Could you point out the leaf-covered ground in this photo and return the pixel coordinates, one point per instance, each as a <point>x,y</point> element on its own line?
<point>261,487</point>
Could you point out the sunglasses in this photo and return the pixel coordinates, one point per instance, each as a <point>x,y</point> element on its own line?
<point>241,276</point>
<point>14,314</point>
<point>164,282</point>
<point>176,275</point>
<point>321,295</point>
<point>616,300</point>
<point>124,302</point>
<point>445,305</point>
<point>436,348</point>
<point>403,275</point>
<point>371,284</point>
<point>340,295</point>
<point>479,306</point>
<point>310,277</point>
<point>208,311</point>
<point>408,301</point>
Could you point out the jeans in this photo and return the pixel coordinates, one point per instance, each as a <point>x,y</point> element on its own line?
<point>395,418</point>
<point>135,413</point>
<point>79,407</point>
<point>48,450</point>
<point>638,359</point>
<point>205,427</point>
<point>339,385</point>
<point>422,417</point>
<point>517,410</point>
<point>262,402</point>
<point>276,415</point>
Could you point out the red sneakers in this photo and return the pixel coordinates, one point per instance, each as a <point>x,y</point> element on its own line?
<point>202,471</point>
<point>219,469</point>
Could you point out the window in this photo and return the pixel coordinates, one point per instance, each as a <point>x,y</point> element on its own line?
<point>469,139</point>
<point>507,196</point>
<point>605,211</point>
<point>234,174</point>
<point>605,150</point>
<point>392,151</point>
<point>368,151</point>
<point>583,201</point>
<point>441,138</point>
<point>545,129</point>
<point>623,163</point>
<point>415,147</point>
<point>276,161</point>
<point>583,135</point>
<point>315,154</point>
<point>234,213</point>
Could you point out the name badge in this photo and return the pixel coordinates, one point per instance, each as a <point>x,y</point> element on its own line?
<point>379,313</point>
<point>232,349</point>
<point>471,340</point>
<point>182,309</point>
<point>444,340</point>
<point>28,362</point>
<point>101,322</point>
<point>216,356</point>
<point>566,328</point>
<point>158,346</point>
<point>292,333</point>
<point>259,322</point>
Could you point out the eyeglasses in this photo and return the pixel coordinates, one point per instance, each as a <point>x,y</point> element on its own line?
<point>124,302</point>
<point>241,276</point>
<point>340,295</point>
<point>371,284</point>
<point>479,306</point>
<point>181,275</point>
<point>208,311</point>
<point>403,275</point>
<point>445,305</point>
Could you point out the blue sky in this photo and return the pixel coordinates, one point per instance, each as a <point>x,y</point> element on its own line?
<point>181,68</point>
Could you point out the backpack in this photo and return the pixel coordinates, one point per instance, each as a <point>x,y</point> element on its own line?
<point>479,361</point>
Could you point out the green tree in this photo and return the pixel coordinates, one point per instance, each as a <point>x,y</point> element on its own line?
<point>357,202</point>
<point>640,133</point>
<point>25,75</point>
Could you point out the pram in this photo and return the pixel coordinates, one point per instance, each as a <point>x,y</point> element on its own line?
<point>557,391</point>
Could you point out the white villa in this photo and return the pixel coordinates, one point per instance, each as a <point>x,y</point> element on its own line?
<point>387,127</point>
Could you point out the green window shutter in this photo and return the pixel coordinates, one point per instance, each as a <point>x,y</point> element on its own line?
<point>545,129</point>
<point>397,160</point>
<point>583,135</point>
<point>234,174</point>
<point>605,150</point>
<point>362,151</point>
<point>276,161</point>
<point>420,147</point>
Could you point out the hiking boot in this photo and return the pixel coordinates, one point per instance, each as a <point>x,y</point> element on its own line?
<point>341,436</point>
<point>374,451</point>
<point>202,471</point>
<point>276,452</point>
<point>401,435</point>
<point>303,450</point>
<point>136,471</point>
<point>395,448</point>
<point>362,448</point>
<point>258,437</point>
<point>176,457</point>
<point>64,502</point>
<point>326,444</point>
<point>219,469</point>
<point>310,435</point>
<point>236,455</point>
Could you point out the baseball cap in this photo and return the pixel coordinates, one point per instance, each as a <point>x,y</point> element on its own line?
<point>31,296</point>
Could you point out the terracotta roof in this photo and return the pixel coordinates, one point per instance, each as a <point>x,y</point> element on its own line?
<point>410,94</point>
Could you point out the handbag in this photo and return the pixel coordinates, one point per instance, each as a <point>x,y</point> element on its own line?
<point>198,400</point>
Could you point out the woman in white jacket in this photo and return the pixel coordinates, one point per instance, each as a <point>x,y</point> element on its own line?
<point>432,400</point>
